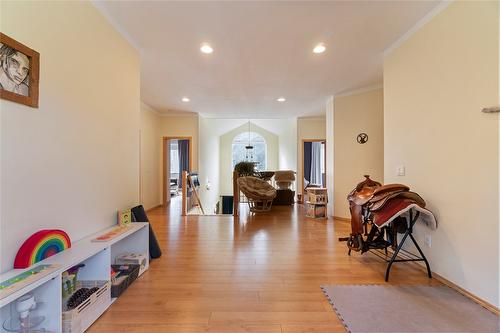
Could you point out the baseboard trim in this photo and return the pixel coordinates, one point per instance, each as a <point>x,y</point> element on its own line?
<point>469,295</point>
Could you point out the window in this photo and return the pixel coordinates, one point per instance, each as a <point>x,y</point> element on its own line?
<point>258,154</point>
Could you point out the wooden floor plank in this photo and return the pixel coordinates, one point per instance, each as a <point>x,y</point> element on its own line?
<point>255,274</point>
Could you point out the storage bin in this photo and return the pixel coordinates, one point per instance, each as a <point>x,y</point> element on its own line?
<point>316,211</point>
<point>318,198</point>
<point>131,272</point>
<point>80,318</point>
<point>130,258</point>
<point>317,195</point>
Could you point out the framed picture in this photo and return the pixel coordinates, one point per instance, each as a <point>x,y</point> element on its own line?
<point>19,70</point>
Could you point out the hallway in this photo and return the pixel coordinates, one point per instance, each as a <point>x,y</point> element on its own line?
<point>259,274</point>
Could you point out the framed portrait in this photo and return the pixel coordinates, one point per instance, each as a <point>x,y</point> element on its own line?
<point>19,70</point>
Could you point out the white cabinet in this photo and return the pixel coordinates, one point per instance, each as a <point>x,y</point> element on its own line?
<point>97,258</point>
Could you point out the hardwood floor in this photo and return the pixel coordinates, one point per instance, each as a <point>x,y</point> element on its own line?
<point>260,273</point>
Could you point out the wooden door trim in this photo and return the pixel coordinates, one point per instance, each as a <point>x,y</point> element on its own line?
<point>164,164</point>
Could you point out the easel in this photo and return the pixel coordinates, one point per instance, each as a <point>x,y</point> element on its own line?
<point>185,179</point>
<point>195,191</point>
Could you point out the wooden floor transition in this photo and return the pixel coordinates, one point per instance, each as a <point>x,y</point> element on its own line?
<point>260,273</point>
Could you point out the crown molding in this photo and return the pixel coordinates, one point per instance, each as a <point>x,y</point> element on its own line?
<point>316,117</point>
<point>360,90</point>
<point>172,113</point>
<point>98,4</point>
<point>423,21</point>
<point>151,109</point>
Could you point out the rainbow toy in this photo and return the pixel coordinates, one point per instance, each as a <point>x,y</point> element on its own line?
<point>41,245</point>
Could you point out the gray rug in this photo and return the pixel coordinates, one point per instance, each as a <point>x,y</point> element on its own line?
<point>404,309</point>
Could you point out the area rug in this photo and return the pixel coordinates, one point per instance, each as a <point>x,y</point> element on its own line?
<point>404,309</point>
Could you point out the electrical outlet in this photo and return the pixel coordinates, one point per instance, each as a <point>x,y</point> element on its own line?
<point>428,240</point>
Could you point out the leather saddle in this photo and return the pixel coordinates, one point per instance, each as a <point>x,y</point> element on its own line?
<point>376,194</point>
<point>371,197</point>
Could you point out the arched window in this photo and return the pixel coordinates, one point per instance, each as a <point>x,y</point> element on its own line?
<point>258,154</point>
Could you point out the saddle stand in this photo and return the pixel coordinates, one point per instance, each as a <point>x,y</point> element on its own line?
<point>389,210</point>
<point>376,243</point>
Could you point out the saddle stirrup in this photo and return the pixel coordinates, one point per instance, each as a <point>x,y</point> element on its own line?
<point>355,242</point>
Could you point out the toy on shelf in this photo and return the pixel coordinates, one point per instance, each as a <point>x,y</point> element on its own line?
<point>124,217</point>
<point>25,321</point>
<point>41,245</point>
<point>21,280</point>
<point>69,279</point>
<point>113,233</point>
<point>116,276</point>
<point>79,297</point>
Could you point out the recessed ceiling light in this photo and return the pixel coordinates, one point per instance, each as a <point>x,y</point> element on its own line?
<point>320,48</point>
<point>281,99</point>
<point>206,48</point>
<point>185,99</point>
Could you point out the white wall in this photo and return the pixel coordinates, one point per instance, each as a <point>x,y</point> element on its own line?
<point>151,150</point>
<point>182,125</point>
<point>211,129</point>
<point>226,154</point>
<point>312,128</point>
<point>286,130</point>
<point>74,161</point>
<point>358,112</point>
<point>435,85</point>
<point>179,125</point>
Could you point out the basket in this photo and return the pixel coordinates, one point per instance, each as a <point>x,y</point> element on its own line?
<point>317,195</point>
<point>317,198</point>
<point>80,318</point>
<point>131,271</point>
<point>316,211</point>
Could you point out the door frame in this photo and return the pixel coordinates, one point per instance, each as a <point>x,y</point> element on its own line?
<point>302,191</point>
<point>166,165</point>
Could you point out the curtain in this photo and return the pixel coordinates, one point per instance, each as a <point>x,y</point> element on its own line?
<point>307,163</point>
<point>316,177</point>
<point>183,158</point>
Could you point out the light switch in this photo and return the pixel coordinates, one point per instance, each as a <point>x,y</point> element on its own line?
<point>401,170</point>
<point>428,240</point>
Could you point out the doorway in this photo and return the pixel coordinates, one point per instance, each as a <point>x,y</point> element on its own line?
<point>313,164</point>
<point>176,158</point>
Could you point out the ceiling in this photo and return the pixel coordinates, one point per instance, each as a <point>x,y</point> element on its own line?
<point>262,51</point>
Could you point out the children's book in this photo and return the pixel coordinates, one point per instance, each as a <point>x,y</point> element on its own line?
<point>124,217</point>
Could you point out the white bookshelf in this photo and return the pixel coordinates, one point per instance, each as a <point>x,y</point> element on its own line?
<point>97,257</point>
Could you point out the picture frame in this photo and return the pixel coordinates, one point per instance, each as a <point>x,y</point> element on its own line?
<point>19,72</point>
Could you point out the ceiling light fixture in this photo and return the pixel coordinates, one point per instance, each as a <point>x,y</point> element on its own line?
<point>320,48</point>
<point>206,48</point>
<point>249,148</point>
<point>185,99</point>
<point>281,99</point>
